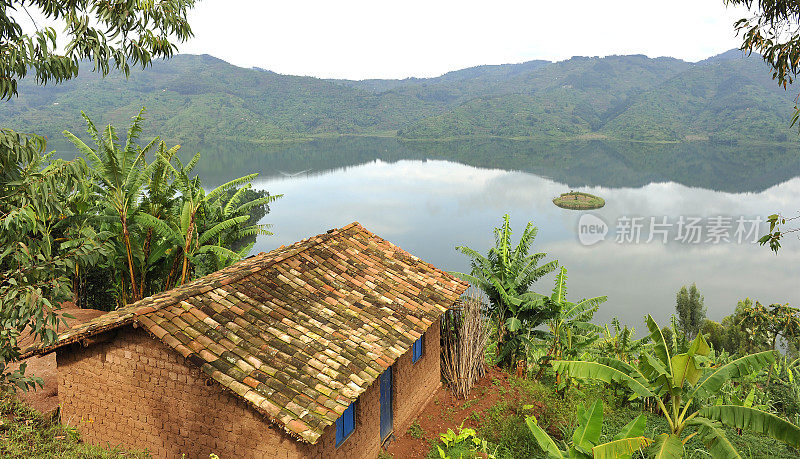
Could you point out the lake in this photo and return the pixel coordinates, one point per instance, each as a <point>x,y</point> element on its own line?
<point>430,197</point>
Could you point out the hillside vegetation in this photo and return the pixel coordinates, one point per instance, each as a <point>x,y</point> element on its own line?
<point>192,98</point>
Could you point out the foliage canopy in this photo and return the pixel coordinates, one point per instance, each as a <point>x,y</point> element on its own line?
<point>110,34</point>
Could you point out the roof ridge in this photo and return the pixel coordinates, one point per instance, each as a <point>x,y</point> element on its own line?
<point>258,267</point>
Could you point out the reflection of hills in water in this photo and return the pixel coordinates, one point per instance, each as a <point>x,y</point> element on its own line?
<point>730,168</point>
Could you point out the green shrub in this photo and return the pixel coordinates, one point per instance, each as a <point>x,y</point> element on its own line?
<point>462,445</point>
<point>415,430</point>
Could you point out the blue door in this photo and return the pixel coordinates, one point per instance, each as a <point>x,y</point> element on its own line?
<point>386,404</point>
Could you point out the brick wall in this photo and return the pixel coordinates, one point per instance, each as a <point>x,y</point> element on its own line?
<point>415,384</point>
<point>135,392</point>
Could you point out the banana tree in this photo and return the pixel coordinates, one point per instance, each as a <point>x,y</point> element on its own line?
<point>199,228</point>
<point>505,275</point>
<point>679,381</point>
<point>569,329</point>
<point>585,441</point>
<point>120,174</point>
<point>159,201</point>
<point>620,344</point>
<point>239,203</point>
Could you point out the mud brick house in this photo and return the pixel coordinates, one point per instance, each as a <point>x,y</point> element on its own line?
<point>320,349</point>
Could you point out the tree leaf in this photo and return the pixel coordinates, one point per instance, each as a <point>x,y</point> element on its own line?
<point>513,324</point>
<point>713,436</point>
<point>587,434</point>
<point>661,348</point>
<point>738,368</point>
<point>633,429</point>
<point>598,371</point>
<point>544,440</point>
<point>754,420</point>
<point>620,448</point>
<point>668,446</point>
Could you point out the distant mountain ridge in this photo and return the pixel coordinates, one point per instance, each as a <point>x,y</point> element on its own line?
<point>191,98</point>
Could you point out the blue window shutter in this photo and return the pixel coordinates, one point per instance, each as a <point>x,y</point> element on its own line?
<point>416,350</point>
<point>349,421</point>
<point>346,424</point>
<point>339,431</point>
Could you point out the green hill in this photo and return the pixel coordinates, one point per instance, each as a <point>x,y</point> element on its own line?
<point>196,98</point>
<point>721,100</point>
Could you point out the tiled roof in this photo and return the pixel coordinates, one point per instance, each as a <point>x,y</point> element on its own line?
<point>299,332</point>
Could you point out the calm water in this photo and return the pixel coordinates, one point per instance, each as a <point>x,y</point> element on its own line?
<point>430,197</point>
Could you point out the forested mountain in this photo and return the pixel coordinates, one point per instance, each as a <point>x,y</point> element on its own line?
<point>192,98</point>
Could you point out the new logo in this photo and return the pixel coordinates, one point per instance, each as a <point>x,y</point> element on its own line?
<point>591,229</point>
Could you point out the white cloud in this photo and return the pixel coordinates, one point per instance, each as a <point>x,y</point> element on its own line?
<point>369,39</point>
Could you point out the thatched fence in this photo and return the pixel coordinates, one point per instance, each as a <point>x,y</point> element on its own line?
<point>465,335</point>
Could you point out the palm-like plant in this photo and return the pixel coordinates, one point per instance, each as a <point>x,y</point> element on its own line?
<point>620,344</point>
<point>223,208</point>
<point>195,236</point>
<point>570,331</point>
<point>120,175</point>
<point>164,219</point>
<point>505,275</point>
<point>683,380</point>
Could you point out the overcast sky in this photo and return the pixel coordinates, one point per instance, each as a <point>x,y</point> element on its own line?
<point>390,39</point>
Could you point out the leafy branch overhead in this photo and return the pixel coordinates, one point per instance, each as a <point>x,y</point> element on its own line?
<point>109,34</point>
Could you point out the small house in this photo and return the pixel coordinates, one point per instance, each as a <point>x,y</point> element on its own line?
<point>320,349</point>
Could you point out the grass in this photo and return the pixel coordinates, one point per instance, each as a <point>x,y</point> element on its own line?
<point>578,200</point>
<point>25,433</point>
<point>504,423</point>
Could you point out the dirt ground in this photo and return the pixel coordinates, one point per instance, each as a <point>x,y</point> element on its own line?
<point>446,411</point>
<point>45,399</point>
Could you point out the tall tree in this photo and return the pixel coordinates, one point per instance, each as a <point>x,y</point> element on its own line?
<point>773,321</point>
<point>690,309</point>
<point>36,194</point>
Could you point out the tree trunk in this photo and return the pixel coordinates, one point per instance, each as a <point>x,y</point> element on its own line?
<point>173,271</point>
<point>189,235</point>
<point>129,253</point>
<point>146,254</point>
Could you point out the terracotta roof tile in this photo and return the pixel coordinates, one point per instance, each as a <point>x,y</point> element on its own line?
<point>299,332</point>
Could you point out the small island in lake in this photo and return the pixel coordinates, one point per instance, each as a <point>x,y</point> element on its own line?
<point>578,200</point>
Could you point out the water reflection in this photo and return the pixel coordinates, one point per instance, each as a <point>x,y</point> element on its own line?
<point>737,168</point>
<point>428,207</point>
<point>430,197</point>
